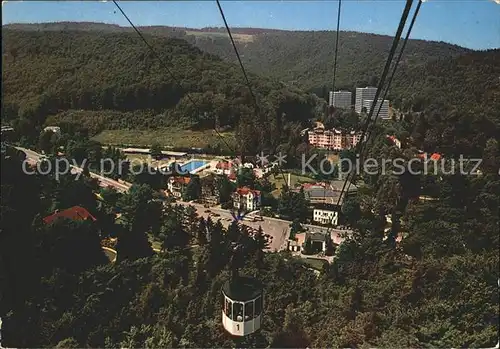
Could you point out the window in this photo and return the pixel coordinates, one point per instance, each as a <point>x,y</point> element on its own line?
<point>237,311</point>
<point>258,306</point>
<point>229,309</point>
<point>249,310</point>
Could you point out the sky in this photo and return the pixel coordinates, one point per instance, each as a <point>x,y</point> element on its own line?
<point>473,24</point>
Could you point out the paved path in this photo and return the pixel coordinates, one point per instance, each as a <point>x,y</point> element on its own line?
<point>120,186</point>
<point>279,231</point>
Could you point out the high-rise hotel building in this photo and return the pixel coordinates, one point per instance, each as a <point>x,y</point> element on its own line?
<point>364,93</point>
<point>384,111</point>
<point>340,99</point>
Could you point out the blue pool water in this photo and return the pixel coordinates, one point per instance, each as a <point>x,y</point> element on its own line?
<point>192,165</point>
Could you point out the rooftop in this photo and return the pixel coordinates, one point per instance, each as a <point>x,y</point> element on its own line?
<point>243,288</point>
<point>246,190</point>
<point>180,180</point>
<point>76,213</point>
<point>224,165</point>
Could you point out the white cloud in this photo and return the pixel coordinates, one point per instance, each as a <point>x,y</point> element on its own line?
<point>497,1</point>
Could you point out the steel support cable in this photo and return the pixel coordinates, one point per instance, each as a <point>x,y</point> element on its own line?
<point>238,55</point>
<point>397,60</point>
<point>257,109</point>
<point>157,56</point>
<point>359,146</point>
<point>336,47</point>
<point>334,67</point>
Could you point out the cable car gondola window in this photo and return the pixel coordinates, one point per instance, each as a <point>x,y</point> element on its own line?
<point>249,311</point>
<point>237,311</point>
<point>229,309</point>
<point>258,306</point>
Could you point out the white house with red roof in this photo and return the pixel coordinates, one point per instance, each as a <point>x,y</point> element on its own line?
<point>176,185</point>
<point>224,167</point>
<point>75,213</point>
<point>395,141</point>
<point>246,199</point>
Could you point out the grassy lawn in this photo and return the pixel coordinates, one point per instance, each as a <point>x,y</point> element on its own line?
<point>294,179</point>
<point>168,137</point>
<point>315,263</point>
<point>236,36</point>
<point>137,157</point>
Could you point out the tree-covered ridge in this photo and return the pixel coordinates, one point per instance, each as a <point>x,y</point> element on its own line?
<point>455,103</point>
<point>47,73</point>
<point>304,58</point>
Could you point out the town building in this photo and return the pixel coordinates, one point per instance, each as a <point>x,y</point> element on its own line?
<point>246,199</point>
<point>394,141</point>
<point>54,129</point>
<point>209,190</point>
<point>384,111</point>
<point>6,129</point>
<point>340,99</point>
<point>351,139</point>
<point>325,193</point>
<point>326,216</point>
<point>334,139</point>
<point>364,93</point>
<point>319,241</point>
<point>176,185</point>
<point>224,168</point>
<point>75,213</point>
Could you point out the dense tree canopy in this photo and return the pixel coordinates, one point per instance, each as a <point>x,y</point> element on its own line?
<point>112,81</point>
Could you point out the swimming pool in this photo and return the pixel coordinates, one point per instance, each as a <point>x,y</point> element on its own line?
<point>192,166</point>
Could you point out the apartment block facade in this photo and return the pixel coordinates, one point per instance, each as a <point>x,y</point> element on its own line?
<point>384,111</point>
<point>364,93</point>
<point>340,99</point>
<point>333,139</point>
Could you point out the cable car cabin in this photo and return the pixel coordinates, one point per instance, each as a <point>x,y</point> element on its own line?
<point>242,306</point>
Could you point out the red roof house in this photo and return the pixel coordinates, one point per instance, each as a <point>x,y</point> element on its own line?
<point>75,213</point>
<point>224,165</point>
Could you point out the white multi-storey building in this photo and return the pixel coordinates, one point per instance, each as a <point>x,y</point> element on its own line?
<point>246,199</point>
<point>384,111</point>
<point>323,216</point>
<point>340,99</point>
<point>362,94</point>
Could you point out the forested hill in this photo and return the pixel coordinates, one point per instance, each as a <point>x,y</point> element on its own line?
<point>457,102</point>
<point>54,71</point>
<point>301,57</point>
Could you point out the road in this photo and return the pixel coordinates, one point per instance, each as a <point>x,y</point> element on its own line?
<point>278,229</point>
<point>104,181</point>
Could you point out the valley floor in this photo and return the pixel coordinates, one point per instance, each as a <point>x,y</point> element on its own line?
<point>168,137</point>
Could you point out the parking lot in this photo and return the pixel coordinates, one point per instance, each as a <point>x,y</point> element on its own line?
<point>277,230</point>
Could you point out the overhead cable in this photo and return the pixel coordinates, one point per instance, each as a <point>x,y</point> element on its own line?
<point>359,146</point>
<point>336,47</point>
<point>165,66</point>
<point>257,109</point>
<point>415,14</point>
